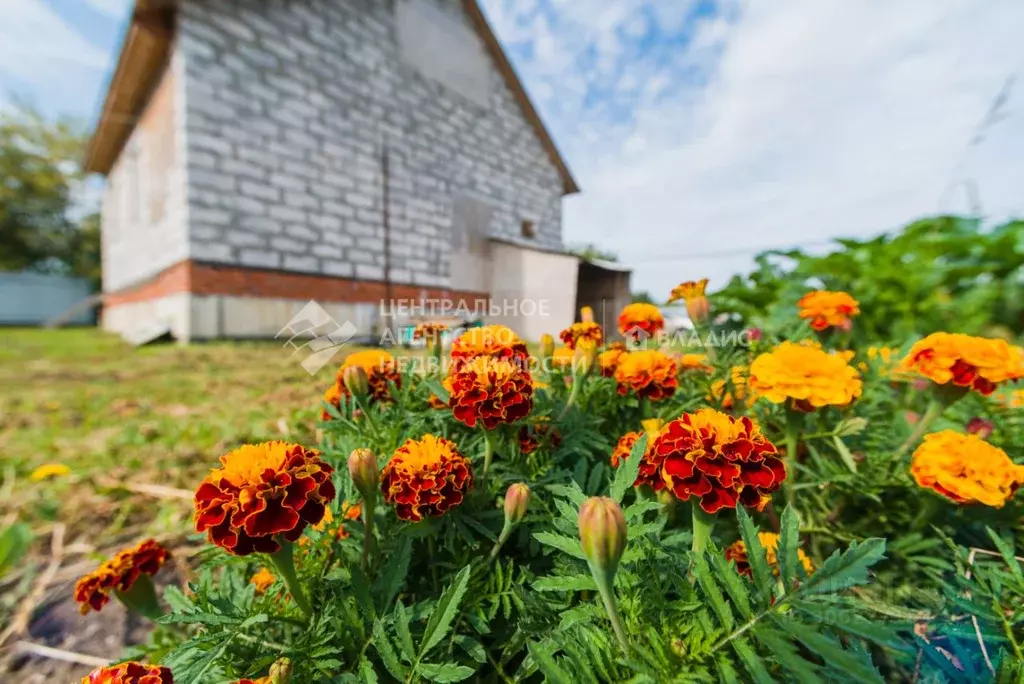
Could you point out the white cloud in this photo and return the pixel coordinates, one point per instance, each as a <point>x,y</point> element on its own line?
<point>112,8</point>
<point>787,123</point>
<point>38,46</point>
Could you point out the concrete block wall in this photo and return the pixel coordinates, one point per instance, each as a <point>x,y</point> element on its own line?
<point>287,104</point>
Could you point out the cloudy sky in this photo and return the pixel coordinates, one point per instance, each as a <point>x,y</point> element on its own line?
<point>704,130</point>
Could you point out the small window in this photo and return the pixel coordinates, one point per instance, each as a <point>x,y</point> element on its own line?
<point>529,229</point>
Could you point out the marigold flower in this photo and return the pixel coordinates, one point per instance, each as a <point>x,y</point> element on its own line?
<point>562,358</point>
<point>262,580</point>
<point>649,374</point>
<point>429,331</point>
<point>692,292</point>
<point>130,673</point>
<point>380,369</point>
<point>491,391</point>
<point>262,491</point>
<point>578,332</point>
<point>495,341</point>
<point>965,469</point>
<point>976,363</point>
<point>350,511</point>
<point>608,361</point>
<point>332,397</point>
<point>737,552</point>
<point>827,309</point>
<point>738,376</point>
<point>603,533</point>
<point>640,316</point>
<point>649,473</point>
<point>48,470</point>
<point>804,375</point>
<point>693,362</point>
<point>118,573</point>
<point>540,432</point>
<point>718,458</point>
<point>517,500</point>
<point>426,477</point>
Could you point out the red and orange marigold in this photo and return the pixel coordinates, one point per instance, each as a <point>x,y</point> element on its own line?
<point>490,391</point>
<point>648,374</point>
<point>380,369</point>
<point>332,397</point>
<point>130,673</point>
<point>719,459</point>
<point>825,309</point>
<point>805,376</point>
<point>534,435</point>
<point>118,573</point>
<point>588,332</point>
<point>495,341</point>
<point>976,363</point>
<point>262,491</point>
<point>648,473</point>
<point>608,361</point>
<point>693,293</point>
<point>966,469</point>
<point>737,552</point>
<point>426,477</point>
<point>640,316</point>
<point>429,331</point>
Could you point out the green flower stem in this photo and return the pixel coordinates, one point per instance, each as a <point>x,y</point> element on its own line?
<point>577,380</point>
<point>934,410</point>
<point>489,438</point>
<point>141,598</point>
<point>368,506</point>
<point>506,532</point>
<point>282,560</point>
<point>794,424</point>
<point>703,523</point>
<point>605,587</point>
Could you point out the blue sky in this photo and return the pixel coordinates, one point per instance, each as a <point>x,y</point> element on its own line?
<point>702,130</point>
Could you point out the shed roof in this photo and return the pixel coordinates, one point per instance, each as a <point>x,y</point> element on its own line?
<point>147,47</point>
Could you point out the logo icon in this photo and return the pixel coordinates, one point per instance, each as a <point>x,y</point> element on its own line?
<point>313,332</point>
<point>636,338</point>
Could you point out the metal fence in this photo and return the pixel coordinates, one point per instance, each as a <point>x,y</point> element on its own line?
<point>34,299</point>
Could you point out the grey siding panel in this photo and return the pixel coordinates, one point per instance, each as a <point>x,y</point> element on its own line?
<point>33,299</point>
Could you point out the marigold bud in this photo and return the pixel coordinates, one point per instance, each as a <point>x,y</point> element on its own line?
<point>587,314</point>
<point>699,309</point>
<point>356,381</point>
<point>602,533</point>
<point>281,671</point>
<point>362,467</point>
<point>517,498</point>
<point>547,346</point>
<point>584,357</point>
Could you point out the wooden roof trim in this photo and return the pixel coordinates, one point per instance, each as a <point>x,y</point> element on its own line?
<point>144,54</point>
<point>483,28</point>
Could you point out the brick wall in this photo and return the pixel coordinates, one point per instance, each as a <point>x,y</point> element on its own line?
<point>287,104</point>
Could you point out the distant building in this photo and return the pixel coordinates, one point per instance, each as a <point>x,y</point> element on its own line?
<point>263,153</point>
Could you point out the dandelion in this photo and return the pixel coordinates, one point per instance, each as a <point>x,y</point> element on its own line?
<point>965,361</point>
<point>825,309</point>
<point>49,470</point>
<point>647,374</point>
<point>127,575</point>
<point>130,673</point>
<point>640,316</point>
<point>426,477</point>
<point>805,377</point>
<point>965,469</point>
<point>737,552</point>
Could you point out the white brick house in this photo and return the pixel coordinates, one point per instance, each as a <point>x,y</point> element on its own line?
<point>262,153</point>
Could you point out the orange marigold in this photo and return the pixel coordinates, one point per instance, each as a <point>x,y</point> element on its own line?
<point>976,363</point>
<point>608,360</point>
<point>718,458</point>
<point>649,374</point>
<point>693,362</point>
<point>645,317</point>
<point>827,309</point>
<point>426,477</point>
<point>966,469</point>
<point>428,331</point>
<point>262,580</point>
<point>738,377</point>
<point>262,491</point>
<point>491,391</point>
<point>495,341</point>
<point>688,291</point>
<point>577,332</point>
<point>737,552</point>
<point>648,474</point>
<point>332,397</point>
<point>118,573</point>
<point>130,673</point>
<point>806,376</point>
<point>562,358</point>
<point>380,368</point>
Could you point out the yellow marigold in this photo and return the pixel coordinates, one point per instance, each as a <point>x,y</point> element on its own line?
<point>495,341</point>
<point>48,470</point>
<point>693,293</point>
<point>976,363</point>
<point>130,673</point>
<point>806,376</point>
<point>490,391</point>
<point>648,374</point>
<point>578,332</point>
<point>608,360</point>
<point>118,573</point>
<point>380,369</point>
<point>262,491</point>
<point>262,580</point>
<point>693,362</point>
<point>426,477</point>
<point>562,358</point>
<point>738,377</point>
<point>645,317</point>
<point>965,469</point>
<point>827,309</point>
<point>737,552</point>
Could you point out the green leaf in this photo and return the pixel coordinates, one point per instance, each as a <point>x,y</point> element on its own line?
<point>436,388</point>
<point>830,651</point>
<point>764,579</point>
<point>789,544</point>
<point>444,673</point>
<point>734,585</point>
<point>638,508</point>
<point>786,654</point>
<point>386,651</point>
<point>844,453</point>
<point>626,474</point>
<point>367,672</point>
<point>847,569</point>
<point>473,648</point>
<point>444,612</point>
<point>851,623</point>
<point>565,583</point>
<point>572,492</point>
<point>1006,552</point>
<point>553,672</point>
<point>402,630</point>
<point>390,581</point>
<point>562,543</point>
<point>15,541</point>
<point>711,591</point>
<point>751,661</point>
<point>361,590</point>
